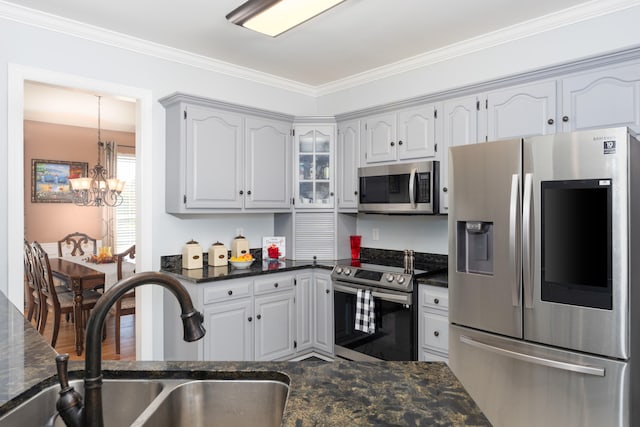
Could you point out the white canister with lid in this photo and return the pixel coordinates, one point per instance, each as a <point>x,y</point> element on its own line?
<point>239,247</point>
<point>192,255</point>
<point>218,255</point>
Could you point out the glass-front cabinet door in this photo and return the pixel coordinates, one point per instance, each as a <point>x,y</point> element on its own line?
<point>314,154</point>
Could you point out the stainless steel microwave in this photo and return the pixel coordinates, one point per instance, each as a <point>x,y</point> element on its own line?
<point>404,188</point>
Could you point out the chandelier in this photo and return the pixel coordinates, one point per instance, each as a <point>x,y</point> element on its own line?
<point>101,187</point>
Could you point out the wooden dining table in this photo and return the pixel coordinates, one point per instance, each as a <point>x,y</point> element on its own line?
<point>77,277</point>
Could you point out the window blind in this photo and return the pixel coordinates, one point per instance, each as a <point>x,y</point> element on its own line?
<point>125,221</point>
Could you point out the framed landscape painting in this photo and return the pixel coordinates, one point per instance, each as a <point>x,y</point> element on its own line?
<point>50,180</point>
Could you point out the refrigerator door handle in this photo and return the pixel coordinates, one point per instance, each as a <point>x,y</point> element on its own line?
<point>526,241</point>
<point>514,258</point>
<point>412,187</point>
<point>566,366</point>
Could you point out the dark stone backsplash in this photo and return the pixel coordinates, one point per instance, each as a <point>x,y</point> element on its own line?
<point>171,262</point>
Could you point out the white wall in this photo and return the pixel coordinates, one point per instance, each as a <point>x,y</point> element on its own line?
<point>422,233</point>
<point>555,46</point>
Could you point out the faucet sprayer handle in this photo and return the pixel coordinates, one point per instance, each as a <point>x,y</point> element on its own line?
<point>69,404</point>
<point>193,328</point>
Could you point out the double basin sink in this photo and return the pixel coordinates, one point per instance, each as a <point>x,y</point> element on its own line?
<point>161,402</point>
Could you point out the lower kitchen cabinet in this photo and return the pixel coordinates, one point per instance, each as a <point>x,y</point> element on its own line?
<point>433,323</point>
<point>274,326</point>
<point>314,313</point>
<point>229,329</point>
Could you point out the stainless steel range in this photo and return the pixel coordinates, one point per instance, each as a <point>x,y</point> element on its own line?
<point>395,335</point>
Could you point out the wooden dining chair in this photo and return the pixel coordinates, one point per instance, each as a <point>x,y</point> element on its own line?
<point>126,305</point>
<point>52,299</point>
<point>32,291</point>
<point>77,244</point>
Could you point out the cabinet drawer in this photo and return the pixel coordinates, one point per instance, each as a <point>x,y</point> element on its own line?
<point>434,297</point>
<point>225,291</point>
<point>272,284</point>
<point>436,331</point>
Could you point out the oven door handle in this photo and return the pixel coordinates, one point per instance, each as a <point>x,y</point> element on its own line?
<point>402,299</point>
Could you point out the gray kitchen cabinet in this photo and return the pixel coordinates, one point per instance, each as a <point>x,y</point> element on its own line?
<point>229,327</point>
<point>304,311</point>
<point>267,164</point>
<point>323,336</point>
<point>408,134</point>
<point>433,323</point>
<point>225,158</point>
<point>520,111</point>
<point>274,325</point>
<point>348,161</point>
<point>460,127</point>
<point>602,98</point>
<point>314,152</point>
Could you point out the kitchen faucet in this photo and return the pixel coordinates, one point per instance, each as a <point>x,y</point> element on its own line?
<point>69,404</point>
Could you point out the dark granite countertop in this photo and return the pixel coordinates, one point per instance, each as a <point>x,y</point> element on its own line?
<point>436,279</point>
<point>321,393</point>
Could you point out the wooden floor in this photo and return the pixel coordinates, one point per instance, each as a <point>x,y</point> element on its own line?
<point>66,338</point>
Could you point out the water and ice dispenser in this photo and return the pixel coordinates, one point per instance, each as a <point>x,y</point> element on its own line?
<point>475,247</point>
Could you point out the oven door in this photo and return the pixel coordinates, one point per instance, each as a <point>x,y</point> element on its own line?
<point>395,335</point>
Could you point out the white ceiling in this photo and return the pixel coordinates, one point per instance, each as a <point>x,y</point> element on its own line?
<point>352,39</point>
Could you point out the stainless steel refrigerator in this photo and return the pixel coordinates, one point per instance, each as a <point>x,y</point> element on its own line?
<point>544,286</point>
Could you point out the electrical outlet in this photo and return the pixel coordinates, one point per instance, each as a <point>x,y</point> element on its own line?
<point>376,234</point>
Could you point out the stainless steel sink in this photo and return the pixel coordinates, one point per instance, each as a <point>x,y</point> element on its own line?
<point>213,403</point>
<point>168,402</point>
<point>128,398</point>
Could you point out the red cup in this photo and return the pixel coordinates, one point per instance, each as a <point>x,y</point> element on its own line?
<point>355,246</point>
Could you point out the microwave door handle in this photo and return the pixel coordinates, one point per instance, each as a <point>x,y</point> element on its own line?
<point>412,187</point>
<point>526,241</point>
<point>514,253</point>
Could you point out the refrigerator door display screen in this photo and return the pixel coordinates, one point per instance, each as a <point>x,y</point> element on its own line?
<point>576,242</point>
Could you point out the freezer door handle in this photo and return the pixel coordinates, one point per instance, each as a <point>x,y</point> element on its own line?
<point>514,258</point>
<point>526,241</point>
<point>566,366</point>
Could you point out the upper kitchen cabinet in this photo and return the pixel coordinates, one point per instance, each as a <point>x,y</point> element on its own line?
<point>460,127</point>
<point>348,160</point>
<point>603,98</point>
<point>225,158</point>
<point>268,163</point>
<point>521,111</point>
<point>314,145</point>
<point>404,135</point>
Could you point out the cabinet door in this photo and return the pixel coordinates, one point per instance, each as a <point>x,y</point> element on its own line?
<point>379,138</point>
<point>323,315</point>
<point>348,160</point>
<point>522,111</point>
<point>229,331</point>
<point>460,127</point>
<point>314,152</point>
<point>274,326</point>
<point>267,164</point>
<point>214,158</point>
<point>604,98</point>
<point>417,133</point>
<point>304,311</point>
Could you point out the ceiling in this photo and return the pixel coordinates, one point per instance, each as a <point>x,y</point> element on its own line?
<point>354,39</point>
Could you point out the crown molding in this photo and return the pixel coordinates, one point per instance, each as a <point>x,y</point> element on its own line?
<point>522,30</point>
<point>579,13</point>
<point>35,18</point>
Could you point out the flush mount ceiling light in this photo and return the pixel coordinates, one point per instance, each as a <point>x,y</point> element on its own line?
<point>274,17</point>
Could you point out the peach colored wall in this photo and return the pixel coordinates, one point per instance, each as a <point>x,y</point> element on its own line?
<point>49,222</point>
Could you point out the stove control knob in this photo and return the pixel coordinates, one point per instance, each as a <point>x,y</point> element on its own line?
<point>347,271</point>
<point>400,280</point>
<point>338,270</point>
<point>389,278</point>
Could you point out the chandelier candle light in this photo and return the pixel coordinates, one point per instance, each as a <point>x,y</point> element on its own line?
<point>101,188</point>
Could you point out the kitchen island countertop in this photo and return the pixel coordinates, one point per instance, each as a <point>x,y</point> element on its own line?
<point>321,393</point>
